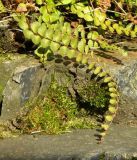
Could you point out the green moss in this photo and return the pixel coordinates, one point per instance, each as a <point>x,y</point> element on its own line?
<point>1,90</point>
<point>4,74</point>
<point>3,81</point>
<point>3,57</point>
<point>58,112</point>
<point>6,132</point>
<point>102,156</point>
<point>7,56</point>
<point>95,93</point>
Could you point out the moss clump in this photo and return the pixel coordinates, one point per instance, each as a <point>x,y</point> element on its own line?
<point>6,131</point>
<point>102,156</point>
<point>60,111</point>
<point>4,57</point>
<point>57,112</point>
<point>92,93</point>
<point>9,56</point>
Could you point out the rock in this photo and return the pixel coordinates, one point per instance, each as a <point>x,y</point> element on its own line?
<point>126,77</point>
<point>124,72</point>
<point>21,82</point>
<point>119,144</point>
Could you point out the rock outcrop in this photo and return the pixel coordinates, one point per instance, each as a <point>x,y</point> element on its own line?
<point>20,81</point>
<point>23,78</point>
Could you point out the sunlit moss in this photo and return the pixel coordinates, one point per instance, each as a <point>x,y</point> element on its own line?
<point>56,113</point>
<point>6,131</point>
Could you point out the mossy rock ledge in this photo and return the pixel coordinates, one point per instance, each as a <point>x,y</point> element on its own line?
<point>23,78</point>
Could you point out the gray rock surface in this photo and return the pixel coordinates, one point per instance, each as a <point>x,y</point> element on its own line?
<point>20,80</point>
<point>126,77</point>
<point>119,144</point>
